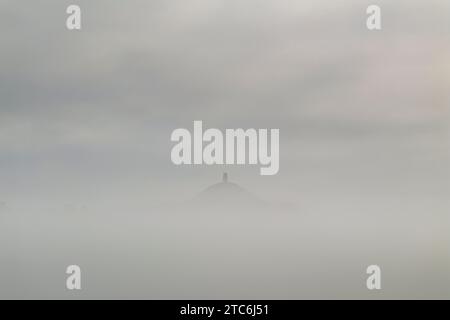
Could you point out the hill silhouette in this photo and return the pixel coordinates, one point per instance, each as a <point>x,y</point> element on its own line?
<point>223,199</point>
<point>226,195</point>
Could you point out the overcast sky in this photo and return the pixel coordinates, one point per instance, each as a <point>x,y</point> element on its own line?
<point>88,114</point>
<point>85,124</point>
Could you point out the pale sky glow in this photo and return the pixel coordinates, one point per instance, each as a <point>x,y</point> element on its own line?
<point>364,120</point>
<point>118,88</point>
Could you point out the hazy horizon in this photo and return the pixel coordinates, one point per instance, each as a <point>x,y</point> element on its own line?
<point>85,125</point>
